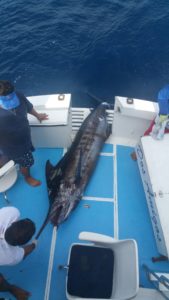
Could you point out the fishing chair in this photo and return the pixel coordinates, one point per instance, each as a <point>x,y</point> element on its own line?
<point>105,269</point>
<point>8,177</point>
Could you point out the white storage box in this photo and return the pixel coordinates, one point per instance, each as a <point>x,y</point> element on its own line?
<point>56,131</point>
<point>153,161</point>
<point>131,118</point>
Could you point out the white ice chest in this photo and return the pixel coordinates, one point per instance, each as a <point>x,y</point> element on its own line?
<point>56,131</point>
<point>153,161</point>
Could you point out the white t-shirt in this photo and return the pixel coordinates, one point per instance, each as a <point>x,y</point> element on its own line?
<point>9,255</point>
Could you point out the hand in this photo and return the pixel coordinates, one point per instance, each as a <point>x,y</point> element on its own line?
<point>42,116</point>
<point>35,242</point>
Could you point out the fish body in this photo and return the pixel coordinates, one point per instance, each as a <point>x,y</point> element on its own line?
<point>67,180</point>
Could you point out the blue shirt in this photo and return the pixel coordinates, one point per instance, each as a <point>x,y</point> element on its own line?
<point>15,136</point>
<point>163,100</point>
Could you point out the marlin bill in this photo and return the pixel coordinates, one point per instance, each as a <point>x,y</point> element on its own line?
<point>67,180</point>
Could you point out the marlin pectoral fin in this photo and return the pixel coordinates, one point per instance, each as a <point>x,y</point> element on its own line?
<point>49,169</point>
<point>53,177</point>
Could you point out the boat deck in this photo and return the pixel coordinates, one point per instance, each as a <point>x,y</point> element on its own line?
<point>114,203</point>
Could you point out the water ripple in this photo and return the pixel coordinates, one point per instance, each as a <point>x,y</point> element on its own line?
<point>110,47</point>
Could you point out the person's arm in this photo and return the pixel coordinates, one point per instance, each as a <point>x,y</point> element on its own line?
<point>39,116</point>
<point>29,248</point>
<point>30,108</point>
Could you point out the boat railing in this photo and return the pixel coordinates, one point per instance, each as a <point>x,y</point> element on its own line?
<point>158,281</point>
<point>79,114</point>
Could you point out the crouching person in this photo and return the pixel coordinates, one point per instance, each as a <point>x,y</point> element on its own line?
<point>14,234</point>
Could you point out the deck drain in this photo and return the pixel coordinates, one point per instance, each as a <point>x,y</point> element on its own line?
<point>86,206</point>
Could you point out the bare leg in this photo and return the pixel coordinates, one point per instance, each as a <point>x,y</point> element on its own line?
<point>28,178</point>
<point>16,291</point>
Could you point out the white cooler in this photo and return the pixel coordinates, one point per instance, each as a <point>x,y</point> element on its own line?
<point>153,161</point>
<point>56,131</point>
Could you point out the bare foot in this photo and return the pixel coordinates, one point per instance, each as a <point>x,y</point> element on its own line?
<point>32,181</point>
<point>19,293</point>
<point>133,156</point>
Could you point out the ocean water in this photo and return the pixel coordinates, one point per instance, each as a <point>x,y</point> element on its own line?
<point>101,48</point>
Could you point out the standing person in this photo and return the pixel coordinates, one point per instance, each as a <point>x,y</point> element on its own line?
<point>14,234</point>
<point>160,124</point>
<point>15,135</point>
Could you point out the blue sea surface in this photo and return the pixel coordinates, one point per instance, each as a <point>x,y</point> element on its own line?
<point>104,48</point>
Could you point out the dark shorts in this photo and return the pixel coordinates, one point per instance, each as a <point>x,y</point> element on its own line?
<point>25,161</point>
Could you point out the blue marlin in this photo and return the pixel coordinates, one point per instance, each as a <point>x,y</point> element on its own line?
<point>67,180</point>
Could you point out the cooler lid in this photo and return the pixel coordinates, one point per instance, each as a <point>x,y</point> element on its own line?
<point>55,106</point>
<point>55,117</point>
